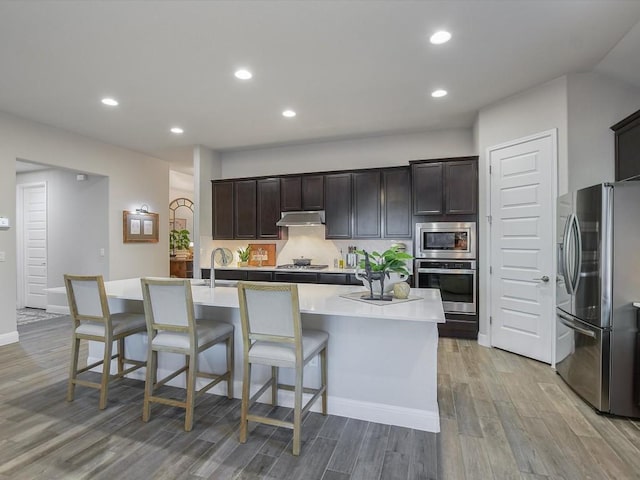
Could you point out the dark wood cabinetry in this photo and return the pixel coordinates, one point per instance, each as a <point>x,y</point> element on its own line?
<point>396,187</point>
<point>181,268</point>
<point>282,276</point>
<point>367,198</point>
<point>268,208</point>
<point>303,192</point>
<point>628,147</point>
<point>337,194</point>
<point>222,206</point>
<point>445,187</point>
<point>244,196</point>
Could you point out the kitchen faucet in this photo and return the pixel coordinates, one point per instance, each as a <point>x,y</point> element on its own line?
<point>212,277</point>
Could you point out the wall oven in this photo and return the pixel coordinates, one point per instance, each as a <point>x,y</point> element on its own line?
<point>446,240</point>
<point>456,280</point>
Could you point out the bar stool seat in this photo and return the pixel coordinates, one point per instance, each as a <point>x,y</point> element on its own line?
<point>207,332</point>
<point>284,355</point>
<point>122,323</point>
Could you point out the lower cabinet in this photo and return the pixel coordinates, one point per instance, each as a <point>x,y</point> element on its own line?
<point>181,268</point>
<point>459,326</point>
<point>280,276</point>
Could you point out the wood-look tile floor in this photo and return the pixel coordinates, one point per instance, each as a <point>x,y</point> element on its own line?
<point>502,417</point>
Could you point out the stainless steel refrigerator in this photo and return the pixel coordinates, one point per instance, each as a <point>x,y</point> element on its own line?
<point>598,280</point>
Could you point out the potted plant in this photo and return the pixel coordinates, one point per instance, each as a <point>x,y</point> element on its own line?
<point>375,267</point>
<point>179,242</point>
<point>243,256</point>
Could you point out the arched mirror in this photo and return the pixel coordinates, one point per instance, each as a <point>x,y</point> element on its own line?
<point>181,215</point>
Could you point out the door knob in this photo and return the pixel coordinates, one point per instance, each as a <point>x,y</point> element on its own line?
<point>544,278</point>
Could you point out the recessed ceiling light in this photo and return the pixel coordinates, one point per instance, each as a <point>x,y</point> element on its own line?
<point>438,93</point>
<point>177,130</point>
<point>112,102</point>
<point>243,74</point>
<point>440,37</point>
<point>289,113</point>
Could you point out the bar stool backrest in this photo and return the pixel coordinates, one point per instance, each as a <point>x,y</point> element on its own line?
<point>269,312</point>
<point>168,305</point>
<point>87,298</point>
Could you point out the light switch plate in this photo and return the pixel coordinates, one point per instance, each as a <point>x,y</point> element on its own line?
<point>4,222</point>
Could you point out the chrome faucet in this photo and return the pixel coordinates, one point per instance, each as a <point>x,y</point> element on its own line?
<point>212,277</point>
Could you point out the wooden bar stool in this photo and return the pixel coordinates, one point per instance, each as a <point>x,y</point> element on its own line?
<point>272,335</point>
<point>172,327</point>
<point>93,321</point>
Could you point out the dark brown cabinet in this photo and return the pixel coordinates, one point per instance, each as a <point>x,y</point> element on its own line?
<point>337,189</point>
<point>222,206</point>
<point>460,187</point>
<point>445,187</point>
<point>427,188</point>
<point>268,208</point>
<point>367,199</point>
<point>627,134</point>
<point>244,199</point>
<point>396,187</point>
<point>304,192</point>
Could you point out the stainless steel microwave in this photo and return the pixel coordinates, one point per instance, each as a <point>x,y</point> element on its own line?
<point>445,240</point>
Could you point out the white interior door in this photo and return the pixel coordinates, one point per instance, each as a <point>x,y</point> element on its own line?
<point>32,205</point>
<point>523,178</point>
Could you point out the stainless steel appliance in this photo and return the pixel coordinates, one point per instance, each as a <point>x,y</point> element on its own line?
<point>456,280</point>
<point>446,240</point>
<point>598,279</point>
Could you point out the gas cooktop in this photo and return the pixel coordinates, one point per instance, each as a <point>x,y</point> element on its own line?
<point>291,266</point>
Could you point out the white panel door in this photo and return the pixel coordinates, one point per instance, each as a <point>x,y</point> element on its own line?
<point>522,246</point>
<point>34,233</point>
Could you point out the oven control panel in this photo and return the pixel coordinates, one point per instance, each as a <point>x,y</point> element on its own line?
<point>449,265</point>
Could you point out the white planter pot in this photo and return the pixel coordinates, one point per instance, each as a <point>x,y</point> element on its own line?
<point>389,282</point>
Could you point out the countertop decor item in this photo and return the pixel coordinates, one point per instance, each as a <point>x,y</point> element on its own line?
<point>375,267</point>
<point>401,290</point>
<point>262,255</point>
<point>223,257</point>
<point>243,256</point>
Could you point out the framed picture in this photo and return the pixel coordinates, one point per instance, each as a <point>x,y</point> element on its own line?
<point>139,227</point>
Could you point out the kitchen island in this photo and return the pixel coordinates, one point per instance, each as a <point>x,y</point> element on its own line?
<point>382,360</point>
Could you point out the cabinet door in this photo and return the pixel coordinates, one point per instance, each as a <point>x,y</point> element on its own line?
<point>427,188</point>
<point>313,192</point>
<point>291,194</point>
<point>254,276</point>
<point>295,277</point>
<point>397,203</point>
<point>367,196</point>
<point>245,209</point>
<point>337,205</point>
<point>628,147</point>
<point>222,210</point>
<point>461,187</point>
<point>268,208</point>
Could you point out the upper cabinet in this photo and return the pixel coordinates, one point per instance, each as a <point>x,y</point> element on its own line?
<point>628,147</point>
<point>244,196</point>
<point>396,185</point>
<point>222,209</point>
<point>337,205</point>
<point>268,208</point>
<point>367,203</point>
<point>302,192</point>
<point>447,187</point>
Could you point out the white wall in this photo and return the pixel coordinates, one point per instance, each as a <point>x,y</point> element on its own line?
<point>595,103</point>
<point>536,110</point>
<point>77,223</point>
<point>207,166</point>
<point>381,151</point>
<point>134,179</point>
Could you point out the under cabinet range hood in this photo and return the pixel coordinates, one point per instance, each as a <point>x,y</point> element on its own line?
<point>301,219</point>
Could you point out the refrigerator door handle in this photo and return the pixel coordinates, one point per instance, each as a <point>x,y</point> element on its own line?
<point>578,265</point>
<point>565,258</point>
<point>572,325</point>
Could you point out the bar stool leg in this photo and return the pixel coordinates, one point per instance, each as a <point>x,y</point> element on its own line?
<point>106,371</point>
<point>246,392</point>
<point>149,384</point>
<point>121,355</point>
<point>192,370</point>
<point>73,370</point>
<point>230,363</point>
<point>297,411</point>
<point>323,381</point>
<point>274,386</point>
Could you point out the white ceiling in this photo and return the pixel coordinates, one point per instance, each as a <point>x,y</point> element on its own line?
<point>348,68</point>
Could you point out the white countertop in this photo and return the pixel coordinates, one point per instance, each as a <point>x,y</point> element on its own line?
<point>314,299</point>
<point>636,304</point>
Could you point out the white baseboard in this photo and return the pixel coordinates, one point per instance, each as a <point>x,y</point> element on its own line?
<point>61,309</point>
<point>483,340</point>
<point>425,420</point>
<point>8,338</point>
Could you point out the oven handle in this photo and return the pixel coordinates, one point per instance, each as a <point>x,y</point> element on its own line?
<point>447,270</point>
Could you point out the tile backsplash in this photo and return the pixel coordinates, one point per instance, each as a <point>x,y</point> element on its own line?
<point>308,242</point>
